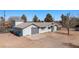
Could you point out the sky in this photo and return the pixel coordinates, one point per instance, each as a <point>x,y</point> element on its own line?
<point>41,14</point>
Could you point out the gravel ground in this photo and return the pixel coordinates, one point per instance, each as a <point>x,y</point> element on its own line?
<point>58,39</point>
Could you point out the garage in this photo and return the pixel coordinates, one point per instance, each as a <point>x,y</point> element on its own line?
<point>34,30</point>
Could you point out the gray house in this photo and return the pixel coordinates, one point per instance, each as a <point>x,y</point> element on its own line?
<point>31,28</point>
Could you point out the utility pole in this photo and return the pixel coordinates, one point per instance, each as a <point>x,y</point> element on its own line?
<point>4,22</point>
<point>4,15</point>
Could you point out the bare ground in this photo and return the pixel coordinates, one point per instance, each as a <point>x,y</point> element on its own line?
<point>58,39</point>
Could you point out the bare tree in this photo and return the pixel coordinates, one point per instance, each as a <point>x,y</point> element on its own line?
<point>66,21</point>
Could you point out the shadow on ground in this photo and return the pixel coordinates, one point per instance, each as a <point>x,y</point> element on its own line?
<point>71,45</point>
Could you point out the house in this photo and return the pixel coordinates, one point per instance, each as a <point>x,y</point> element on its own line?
<point>77,27</point>
<point>31,28</point>
<point>15,20</point>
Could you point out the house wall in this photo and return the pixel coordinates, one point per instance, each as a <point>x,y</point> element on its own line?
<point>44,30</point>
<point>27,31</point>
<point>52,29</point>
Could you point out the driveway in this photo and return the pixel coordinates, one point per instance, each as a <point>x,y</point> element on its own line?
<point>58,39</point>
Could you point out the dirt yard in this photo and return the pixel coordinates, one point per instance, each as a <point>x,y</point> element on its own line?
<point>58,39</point>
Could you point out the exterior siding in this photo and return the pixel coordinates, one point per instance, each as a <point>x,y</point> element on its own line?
<point>44,30</point>
<point>27,31</point>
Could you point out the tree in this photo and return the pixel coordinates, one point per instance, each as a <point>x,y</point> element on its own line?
<point>35,19</point>
<point>2,20</point>
<point>66,21</point>
<point>63,17</point>
<point>74,21</point>
<point>12,21</point>
<point>48,18</point>
<point>23,17</point>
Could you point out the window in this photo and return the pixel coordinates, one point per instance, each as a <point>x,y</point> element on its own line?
<point>49,27</point>
<point>42,27</point>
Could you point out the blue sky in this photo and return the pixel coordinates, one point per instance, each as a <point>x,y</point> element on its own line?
<point>40,13</point>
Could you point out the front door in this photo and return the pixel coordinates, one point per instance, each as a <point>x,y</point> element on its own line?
<point>52,28</point>
<point>55,28</point>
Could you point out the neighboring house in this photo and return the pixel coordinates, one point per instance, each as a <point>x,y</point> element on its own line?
<point>18,22</point>
<point>15,20</point>
<point>77,27</point>
<point>31,28</point>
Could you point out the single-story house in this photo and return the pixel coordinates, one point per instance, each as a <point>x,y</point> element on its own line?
<point>31,28</point>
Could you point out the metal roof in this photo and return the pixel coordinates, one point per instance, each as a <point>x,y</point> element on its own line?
<point>38,24</point>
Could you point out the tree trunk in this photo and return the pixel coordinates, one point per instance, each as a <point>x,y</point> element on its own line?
<point>68,31</point>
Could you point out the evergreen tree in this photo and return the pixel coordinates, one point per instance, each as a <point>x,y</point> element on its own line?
<point>2,19</point>
<point>48,18</point>
<point>64,20</point>
<point>35,19</point>
<point>24,18</point>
